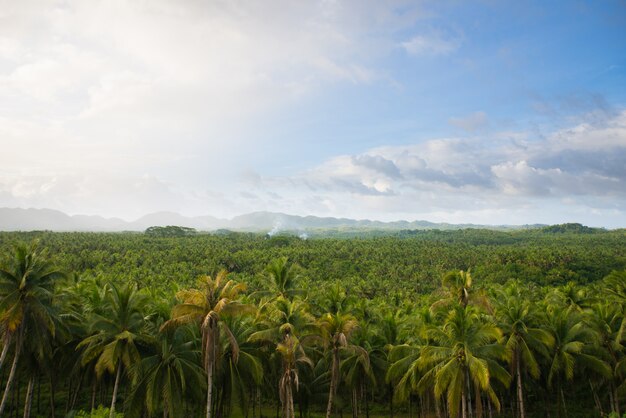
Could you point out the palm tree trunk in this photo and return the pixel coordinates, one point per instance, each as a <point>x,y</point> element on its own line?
<point>333,382</point>
<point>596,399</point>
<point>564,405</point>
<point>478,401</point>
<point>29,397</point>
<point>390,401</point>
<point>5,350</point>
<point>469,394</point>
<point>115,388</point>
<point>209,390</point>
<point>463,404</point>
<point>52,392</point>
<point>292,413</point>
<point>7,389</point>
<point>520,393</point>
<point>93,396</point>
<point>77,392</point>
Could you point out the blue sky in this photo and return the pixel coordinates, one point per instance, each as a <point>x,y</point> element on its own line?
<point>494,112</point>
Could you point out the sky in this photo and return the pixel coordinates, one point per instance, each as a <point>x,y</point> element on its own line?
<point>488,112</point>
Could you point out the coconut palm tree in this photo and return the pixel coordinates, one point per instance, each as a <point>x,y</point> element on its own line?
<point>168,376</point>
<point>292,354</point>
<point>281,279</point>
<point>26,289</point>
<point>205,306</point>
<point>606,319</point>
<point>572,340</point>
<point>289,325</point>
<point>464,352</point>
<point>240,370</point>
<point>405,369</point>
<point>456,289</point>
<point>522,339</point>
<point>337,329</point>
<point>118,329</point>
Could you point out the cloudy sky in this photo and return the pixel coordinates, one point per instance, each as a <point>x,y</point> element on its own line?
<point>495,112</point>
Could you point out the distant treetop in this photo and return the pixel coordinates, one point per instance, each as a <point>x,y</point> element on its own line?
<point>170,231</point>
<point>571,228</point>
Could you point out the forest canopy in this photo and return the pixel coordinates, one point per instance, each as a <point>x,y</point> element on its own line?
<point>417,323</point>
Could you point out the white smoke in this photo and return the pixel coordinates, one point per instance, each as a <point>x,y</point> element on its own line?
<point>278,226</point>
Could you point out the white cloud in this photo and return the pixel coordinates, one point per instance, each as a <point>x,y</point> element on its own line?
<point>434,44</point>
<point>577,172</point>
<point>172,89</point>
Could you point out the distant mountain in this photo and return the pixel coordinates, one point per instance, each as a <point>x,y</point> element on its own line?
<point>17,219</point>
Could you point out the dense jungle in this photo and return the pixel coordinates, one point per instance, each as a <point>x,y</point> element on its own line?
<point>421,323</point>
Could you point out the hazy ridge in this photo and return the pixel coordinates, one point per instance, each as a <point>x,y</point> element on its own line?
<point>18,219</point>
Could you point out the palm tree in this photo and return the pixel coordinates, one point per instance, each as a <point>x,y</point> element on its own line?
<point>26,286</point>
<point>464,351</point>
<point>457,290</point>
<point>205,307</point>
<point>241,369</point>
<point>572,338</point>
<point>522,340</point>
<point>292,354</point>
<point>359,366</point>
<point>119,328</point>
<point>337,329</point>
<point>165,377</point>
<point>281,322</point>
<point>281,279</point>
<point>606,319</point>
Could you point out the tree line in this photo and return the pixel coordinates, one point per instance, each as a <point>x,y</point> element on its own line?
<point>275,345</point>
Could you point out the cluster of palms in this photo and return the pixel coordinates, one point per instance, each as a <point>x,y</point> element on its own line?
<point>214,348</point>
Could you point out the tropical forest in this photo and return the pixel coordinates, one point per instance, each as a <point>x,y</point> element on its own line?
<point>418,323</point>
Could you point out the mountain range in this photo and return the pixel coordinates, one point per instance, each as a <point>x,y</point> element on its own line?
<point>18,219</point>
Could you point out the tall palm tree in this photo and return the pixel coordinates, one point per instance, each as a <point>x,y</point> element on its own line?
<point>241,370</point>
<point>457,290</point>
<point>359,366</point>
<point>523,340</point>
<point>205,306</point>
<point>292,354</point>
<point>464,351</point>
<point>26,290</point>
<point>572,339</point>
<point>281,322</point>
<point>337,329</point>
<point>405,368</point>
<point>118,330</point>
<point>281,279</point>
<point>606,319</point>
<point>165,378</point>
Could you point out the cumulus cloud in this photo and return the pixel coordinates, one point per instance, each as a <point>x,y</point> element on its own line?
<point>579,170</point>
<point>584,160</point>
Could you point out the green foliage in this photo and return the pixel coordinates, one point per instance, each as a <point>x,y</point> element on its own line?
<point>100,412</point>
<point>170,231</point>
<point>570,228</point>
<point>367,324</point>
